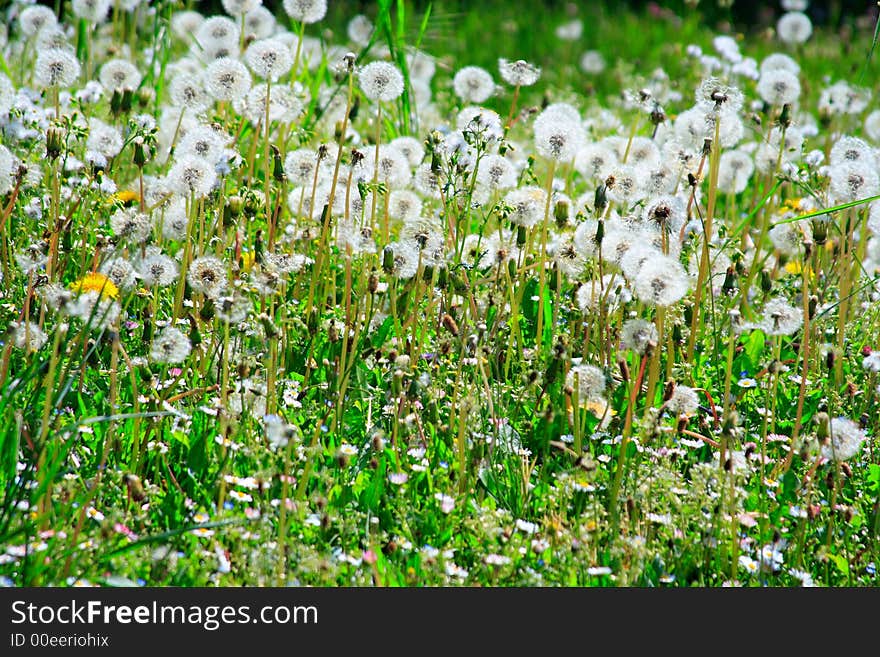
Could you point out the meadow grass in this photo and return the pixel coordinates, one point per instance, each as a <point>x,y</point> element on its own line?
<point>286,319</point>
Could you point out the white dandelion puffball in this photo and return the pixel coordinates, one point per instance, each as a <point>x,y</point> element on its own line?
<point>227,79</point>
<point>473,84</point>
<point>268,58</point>
<point>306,11</point>
<point>56,68</point>
<point>94,11</point>
<point>779,87</point>
<point>519,73</point>
<point>170,346</point>
<point>381,81</point>
<point>794,27</point>
<point>119,74</point>
<point>845,441</point>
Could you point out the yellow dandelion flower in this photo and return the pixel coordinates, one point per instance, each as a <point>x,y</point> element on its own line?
<point>96,282</point>
<point>793,204</point>
<point>247,260</point>
<point>126,197</point>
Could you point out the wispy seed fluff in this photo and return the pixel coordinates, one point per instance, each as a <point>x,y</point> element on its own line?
<point>780,318</point>
<point>240,7</point>
<point>170,346</point>
<point>131,225</point>
<point>186,23</point>
<point>157,269</point>
<point>119,74</point>
<point>28,336</point>
<point>104,139</point>
<point>404,258</point>
<point>218,31</point>
<point>56,68</point>
<point>306,11</point>
<point>637,334</point>
<point>473,84</point>
<point>661,281</point>
<point>845,441</point>
<point>684,401</point>
<point>526,205</point>
<point>558,139</point>
<point>794,27</point>
<point>519,73</point>
<point>188,91</point>
<point>227,79</point>
<point>588,380</point>
<point>192,176</point>
<point>496,172</point>
<point>35,18</point>
<point>779,87</point>
<point>94,11</point>
<point>852,181</point>
<point>268,58</point>
<point>359,30</point>
<point>207,275</point>
<point>735,168</point>
<point>848,150</point>
<point>778,61</point>
<point>7,95</point>
<point>381,81</point>
<point>259,23</point>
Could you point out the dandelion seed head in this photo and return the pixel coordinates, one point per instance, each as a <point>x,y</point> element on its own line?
<point>637,334</point>
<point>119,74</point>
<point>684,401</point>
<point>381,81</point>
<point>120,271</point>
<point>496,172</point>
<point>35,18</point>
<point>852,181</point>
<point>171,346</point>
<point>794,27</point>
<point>306,11</point>
<point>589,381</point>
<point>526,205</point>
<point>735,169</point>
<point>157,269</point>
<point>473,84</point>
<point>405,259</point>
<point>359,30</point>
<point>779,87</point>
<point>558,140</point>
<point>482,123</point>
<point>595,161</point>
<point>404,205</point>
<point>268,58</point>
<point>259,23</point>
<point>227,79</point>
<point>779,61</point>
<point>519,73</point>
<point>190,175</point>
<point>217,31</point>
<point>851,150</point>
<point>28,336</point>
<point>842,98</point>
<point>781,318</point>
<point>56,67</point>
<point>238,8</point>
<point>661,281</point>
<point>845,440</point>
<point>202,141</point>
<point>93,11</point>
<point>207,275</point>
